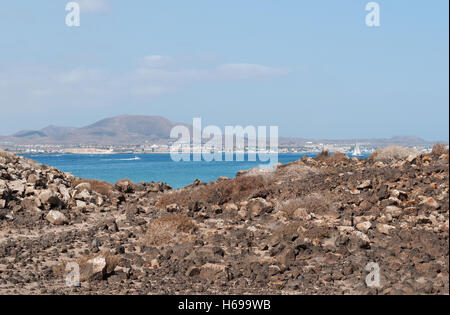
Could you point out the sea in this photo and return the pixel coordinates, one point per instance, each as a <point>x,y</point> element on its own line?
<point>149,167</point>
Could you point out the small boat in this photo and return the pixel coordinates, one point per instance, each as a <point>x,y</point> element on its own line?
<point>356,151</point>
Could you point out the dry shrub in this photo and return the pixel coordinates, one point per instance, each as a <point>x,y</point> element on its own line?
<point>290,206</point>
<point>439,149</point>
<point>339,157</point>
<point>287,231</point>
<point>235,190</point>
<point>100,187</point>
<point>171,228</point>
<point>325,154</point>
<point>297,170</point>
<point>5,154</point>
<point>392,153</point>
<point>316,203</point>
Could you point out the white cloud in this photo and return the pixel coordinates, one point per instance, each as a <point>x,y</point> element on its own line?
<point>25,87</point>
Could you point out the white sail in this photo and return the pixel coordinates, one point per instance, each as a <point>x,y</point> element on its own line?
<point>356,150</point>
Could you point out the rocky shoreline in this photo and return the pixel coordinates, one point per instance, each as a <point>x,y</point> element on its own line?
<point>308,227</point>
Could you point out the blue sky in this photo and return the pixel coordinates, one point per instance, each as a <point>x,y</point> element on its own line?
<point>311,67</point>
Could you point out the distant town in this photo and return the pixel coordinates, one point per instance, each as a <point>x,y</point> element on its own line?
<point>141,134</point>
<point>309,147</point>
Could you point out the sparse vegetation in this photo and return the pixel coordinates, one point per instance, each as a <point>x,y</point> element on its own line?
<point>169,228</point>
<point>338,157</point>
<point>297,170</point>
<point>439,149</point>
<point>315,203</point>
<point>256,244</point>
<point>290,206</point>
<point>392,153</point>
<point>325,154</point>
<point>100,187</point>
<point>220,193</point>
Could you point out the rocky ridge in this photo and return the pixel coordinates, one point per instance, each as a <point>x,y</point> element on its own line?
<point>308,227</point>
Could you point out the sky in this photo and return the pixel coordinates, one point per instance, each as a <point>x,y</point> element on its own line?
<point>312,67</point>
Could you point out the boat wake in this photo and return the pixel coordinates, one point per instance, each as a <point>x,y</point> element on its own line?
<point>136,158</point>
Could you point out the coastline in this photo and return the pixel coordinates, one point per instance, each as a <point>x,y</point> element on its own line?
<point>294,230</point>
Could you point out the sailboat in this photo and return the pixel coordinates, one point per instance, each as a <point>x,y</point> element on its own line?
<point>356,151</point>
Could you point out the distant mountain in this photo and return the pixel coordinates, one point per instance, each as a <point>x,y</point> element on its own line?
<point>56,131</point>
<point>129,130</point>
<point>125,129</point>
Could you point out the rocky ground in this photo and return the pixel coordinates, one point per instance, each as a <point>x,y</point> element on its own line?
<point>308,227</point>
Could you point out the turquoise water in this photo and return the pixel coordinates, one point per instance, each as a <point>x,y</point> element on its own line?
<point>147,167</point>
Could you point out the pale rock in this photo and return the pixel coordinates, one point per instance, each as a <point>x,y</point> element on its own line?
<point>154,264</point>
<point>64,193</point>
<point>83,186</point>
<point>83,195</point>
<point>94,269</point>
<point>395,201</point>
<point>56,218</point>
<point>364,218</point>
<point>231,207</point>
<point>399,194</point>
<point>99,201</point>
<point>81,204</point>
<point>17,186</point>
<point>364,226</point>
<point>30,191</point>
<point>394,211</point>
<point>365,184</point>
<point>242,213</point>
<point>412,158</point>
<point>430,202</point>
<point>346,229</point>
<point>384,228</point>
<point>49,197</point>
<point>361,236</point>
